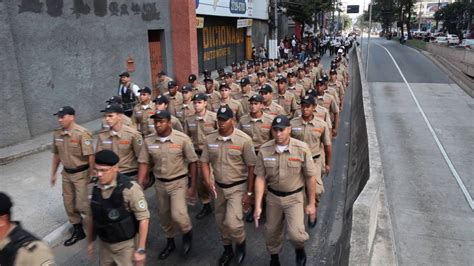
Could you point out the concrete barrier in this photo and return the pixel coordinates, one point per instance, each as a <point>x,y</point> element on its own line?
<point>461,58</point>
<point>364,202</point>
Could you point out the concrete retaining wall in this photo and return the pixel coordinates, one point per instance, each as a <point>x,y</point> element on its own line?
<point>462,58</point>
<point>365,175</point>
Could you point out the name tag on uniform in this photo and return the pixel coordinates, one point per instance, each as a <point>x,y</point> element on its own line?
<point>151,126</point>
<point>318,129</point>
<point>245,125</point>
<point>107,142</point>
<point>59,140</point>
<point>213,146</point>
<point>269,159</point>
<point>139,112</point>
<point>192,125</point>
<point>153,146</point>
<point>296,128</point>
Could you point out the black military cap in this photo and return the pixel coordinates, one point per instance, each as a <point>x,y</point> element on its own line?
<point>320,82</point>
<point>261,74</point>
<point>225,112</point>
<point>233,64</point>
<point>192,78</point>
<point>206,73</point>
<point>161,114</point>
<point>223,85</point>
<point>270,69</point>
<point>186,88</point>
<point>291,73</point>
<point>333,66</point>
<point>114,99</point>
<point>265,89</point>
<point>5,204</point>
<point>279,64</point>
<point>312,92</point>
<point>106,157</point>
<point>208,79</point>
<point>244,81</point>
<point>325,77</point>
<point>200,97</point>
<point>257,63</point>
<point>249,66</point>
<point>281,122</point>
<point>161,99</point>
<point>239,69</point>
<point>281,79</point>
<point>256,98</point>
<point>308,99</point>
<point>125,74</point>
<point>317,57</point>
<point>65,110</point>
<point>221,72</point>
<point>229,75</point>
<point>172,84</point>
<point>333,72</point>
<point>162,73</point>
<point>306,64</point>
<point>113,108</point>
<point>145,90</point>
<point>300,69</point>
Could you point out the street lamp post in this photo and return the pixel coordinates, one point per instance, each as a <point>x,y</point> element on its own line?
<point>368,41</point>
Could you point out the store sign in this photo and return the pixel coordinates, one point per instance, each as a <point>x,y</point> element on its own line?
<point>237,6</point>
<point>199,22</point>
<point>244,23</point>
<point>217,39</point>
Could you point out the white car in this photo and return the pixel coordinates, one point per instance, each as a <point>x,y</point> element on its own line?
<point>441,40</point>
<point>466,43</point>
<point>453,39</point>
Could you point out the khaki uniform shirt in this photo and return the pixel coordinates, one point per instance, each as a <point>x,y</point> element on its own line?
<point>337,85</point>
<point>199,89</point>
<point>175,101</point>
<point>127,121</point>
<point>141,117</point>
<point>332,91</point>
<point>163,86</point>
<point>288,170</point>
<point>323,114</point>
<point>298,91</point>
<point>306,83</point>
<point>234,90</point>
<point>328,102</point>
<point>259,129</point>
<point>168,159</point>
<point>133,198</point>
<point>253,78</point>
<point>244,100</point>
<point>35,253</point>
<point>229,158</point>
<point>199,127</point>
<point>313,133</point>
<point>213,101</point>
<point>236,107</point>
<point>73,147</point>
<point>126,144</point>
<point>287,101</point>
<point>274,109</point>
<point>184,111</point>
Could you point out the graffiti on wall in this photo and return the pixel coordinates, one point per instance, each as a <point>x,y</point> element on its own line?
<point>101,8</point>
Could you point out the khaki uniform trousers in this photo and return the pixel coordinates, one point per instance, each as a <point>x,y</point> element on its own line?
<point>229,213</point>
<point>75,195</point>
<point>203,191</point>
<point>285,212</point>
<point>319,180</point>
<point>172,206</point>
<point>120,254</point>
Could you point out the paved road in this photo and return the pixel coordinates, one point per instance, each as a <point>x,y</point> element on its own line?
<point>41,210</point>
<point>432,220</point>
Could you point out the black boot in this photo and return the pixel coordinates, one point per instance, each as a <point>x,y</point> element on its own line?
<point>312,224</point>
<point>205,211</point>
<point>240,252</point>
<point>77,234</point>
<point>226,256</point>
<point>274,260</point>
<point>300,257</point>
<point>187,242</point>
<point>170,246</point>
<point>249,215</point>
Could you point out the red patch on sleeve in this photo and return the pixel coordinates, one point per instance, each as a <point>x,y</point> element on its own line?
<point>318,129</point>
<point>74,140</point>
<point>266,126</point>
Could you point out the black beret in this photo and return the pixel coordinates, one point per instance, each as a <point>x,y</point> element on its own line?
<point>106,157</point>
<point>5,203</point>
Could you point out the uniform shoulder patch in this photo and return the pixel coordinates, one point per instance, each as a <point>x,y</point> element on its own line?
<point>141,204</point>
<point>139,141</point>
<point>87,142</point>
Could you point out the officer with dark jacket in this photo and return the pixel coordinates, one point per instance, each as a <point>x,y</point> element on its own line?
<point>17,246</point>
<point>118,212</point>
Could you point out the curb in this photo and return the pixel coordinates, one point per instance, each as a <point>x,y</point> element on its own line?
<point>53,238</point>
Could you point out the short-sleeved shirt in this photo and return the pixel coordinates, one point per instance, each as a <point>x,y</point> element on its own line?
<point>338,86</point>
<point>314,133</point>
<point>125,121</point>
<point>162,86</point>
<point>287,101</point>
<point>184,111</point>
<point>174,102</point>
<point>126,143</point>
<point>199,127</point>
<point>306,83</point>
<point>259,129</point>
<point>133,198</point>
<point>332,91</point>
<point>213,101</point>
<point>274,109</point>
<point>328,102</point>
<point>141,117</point>
<point>73,147</point>
<point>297,90</point>
<point>169,158</point>
<point>236,107</point>
<point>244,100</point>
<point>33,253</point>
<point>229,156</point>
<point>234,90</point>
<point>288,170</point>
<point>198,89</point>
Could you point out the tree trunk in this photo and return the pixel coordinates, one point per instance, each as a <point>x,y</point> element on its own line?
<point>409,22</point>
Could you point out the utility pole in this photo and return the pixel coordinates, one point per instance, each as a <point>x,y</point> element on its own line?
<point>368,40</point>
<point>338,16</point>
<point>332,17</point>
<point>439,4</point>
<point>419,18</point>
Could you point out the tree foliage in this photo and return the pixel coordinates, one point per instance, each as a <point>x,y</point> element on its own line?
<point>346,22</point>
<point>387,12</point>
<point>304,11</point>
<point>455,16</point>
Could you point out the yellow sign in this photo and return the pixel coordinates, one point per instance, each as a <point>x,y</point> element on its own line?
<point>244,23</point>
<point>216,36</point>
<point>199,22</point>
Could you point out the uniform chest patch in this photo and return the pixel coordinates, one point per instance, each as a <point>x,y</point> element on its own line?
<point>234,147</point>
<point>269,159</point>
<point>213,146</point>
<point>113,214</point>
<point>74,140</point>
<point>124,142</point>
<point>107,142</point>
<point>294,159</point>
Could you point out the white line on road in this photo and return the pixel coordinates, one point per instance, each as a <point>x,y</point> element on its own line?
<point>435,137</point>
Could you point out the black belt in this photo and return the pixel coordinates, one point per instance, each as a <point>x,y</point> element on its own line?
<point>172,179</point>
<point>284,194</point>
<point>130,174</point>
<point>231,184</point>
<point>199,152</point>
<point>316,156</point>
<point>76,170</point>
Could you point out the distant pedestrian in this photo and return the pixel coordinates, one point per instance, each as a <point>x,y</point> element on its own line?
<point>129,93</point>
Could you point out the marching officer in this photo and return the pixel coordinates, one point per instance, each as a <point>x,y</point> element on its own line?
<point>72,147</point>
<point>118,212</point>
<point>202,123</point>
<point>124,141</point>
<point>213,95</point>
<point>231,154</point>
<point>226,99</point>
<point>285,168</point>
<point>125,119</point>
<point>196,86</point>
<point>294,87</point>
<point>314,132</point>
<point>284,98</point>
<point>143,111</point>
<point>18,246</point>
<point>245,94</point>
<point>269,106</point>
<point>337,86</point>
<point>304,80</point>
<point>329,102</point>
<point>169,153</point>
<point>186,108</point>
<point>234,88</point>
<point>162,103</point>
<point>175,98</point>
<point>162,84</point>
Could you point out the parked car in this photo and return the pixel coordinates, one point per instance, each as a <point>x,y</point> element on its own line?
<point>467,44</point>
<point>441,40</point>
<point>452,39</point>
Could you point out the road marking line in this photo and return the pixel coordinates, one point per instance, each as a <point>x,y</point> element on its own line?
<point>435,137</point>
